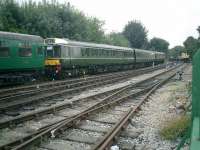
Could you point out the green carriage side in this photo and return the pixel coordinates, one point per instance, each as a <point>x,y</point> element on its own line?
<point>21,57</point>
<point>144,56</point>
<point>159,57</point>
<point>20,52</point>
<point>85,54</point>
<point>74,55</point>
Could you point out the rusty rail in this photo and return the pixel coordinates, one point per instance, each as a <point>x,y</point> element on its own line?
<point>58,127</point>
<point>107,140</point>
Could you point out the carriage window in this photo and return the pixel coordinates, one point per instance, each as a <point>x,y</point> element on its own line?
<point>93,52</point>
<point>117,54</point>
<point>25,52</point>
<point>104,52</point>
<point>120,54</point>
<point>100,52</point>
<point>4,52</point>
<point>83,51</point>
<point>111,53</point>
<point>65,51</point>
<point>49,51</point>
<point>57,51</point>
<point>40,51</point>
<point>107,53</point>
<point>96,52</point>
<point>87,52</point>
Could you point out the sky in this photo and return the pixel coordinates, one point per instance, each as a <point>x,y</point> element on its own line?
<point>172,20</point>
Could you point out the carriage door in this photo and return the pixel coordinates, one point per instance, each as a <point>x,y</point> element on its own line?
<point>134,56</point>
<point>66,55</point>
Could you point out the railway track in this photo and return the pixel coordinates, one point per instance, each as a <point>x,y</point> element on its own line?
<point>24,91</point>
<point>27,114</point>
<point>10,100</point>
<point>125,95</point>
<point>111,137</point>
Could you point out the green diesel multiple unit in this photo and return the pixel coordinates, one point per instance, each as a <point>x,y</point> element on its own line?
<point>74,58</point>
<point>21,56</point>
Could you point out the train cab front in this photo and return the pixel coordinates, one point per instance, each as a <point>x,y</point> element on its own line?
<point>52,61</point>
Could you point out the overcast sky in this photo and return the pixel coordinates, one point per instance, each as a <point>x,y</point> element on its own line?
<point>172,20</point>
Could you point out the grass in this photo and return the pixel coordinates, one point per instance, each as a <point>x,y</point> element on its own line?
<point>189,88</point>
<point>175,128</point>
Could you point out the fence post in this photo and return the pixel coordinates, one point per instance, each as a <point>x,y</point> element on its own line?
<point>195,134</point>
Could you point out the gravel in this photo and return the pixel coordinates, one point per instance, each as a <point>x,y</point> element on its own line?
<point>33,125</point>
<point>162,105</point>
<point>152,117</point>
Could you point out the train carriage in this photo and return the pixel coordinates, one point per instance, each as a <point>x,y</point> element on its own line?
<point>78,57</point>
<point>21,56</point>
<point>159,57</point>
<point>99,54</point>
<point>75,58</point>
<point>144,57</point>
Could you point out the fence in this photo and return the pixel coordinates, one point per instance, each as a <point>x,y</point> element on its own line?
<point>195,131</point>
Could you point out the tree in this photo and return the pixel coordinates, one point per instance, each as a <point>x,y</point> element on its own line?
<point>146,45</point>
<point>49,19</point>
<point>176,51</point>
<point>10,16</point>
<point>191,45</point>
<point>158,44</point>
<point>136,34</point>
<point>198,29</point>
<point>95,30</point>
<point>117,39</point>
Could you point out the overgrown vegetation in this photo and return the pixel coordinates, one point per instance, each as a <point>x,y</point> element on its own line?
<point>177,125</point>
<point>189,88</point>
<point>174,128</point>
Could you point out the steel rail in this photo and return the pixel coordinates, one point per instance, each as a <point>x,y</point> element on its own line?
<point>55,88</point>
<point>50,95</point>
<point>72,119</point>
<point>31,88</point>
<point>56,129</point>
<point>16,103</point>
<point>53,109</point>
<point>107,140</point>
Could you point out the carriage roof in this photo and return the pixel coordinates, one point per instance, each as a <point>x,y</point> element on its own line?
<point>87,44</point>
<point>23,37</point>
<point>65,41</point>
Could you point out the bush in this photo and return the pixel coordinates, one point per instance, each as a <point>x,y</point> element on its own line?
<point>175,128</point>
